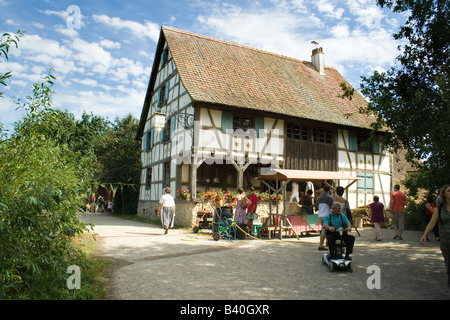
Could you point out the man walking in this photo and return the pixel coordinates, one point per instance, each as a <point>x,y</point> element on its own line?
<point>397,206</point>
<point>323,205</point>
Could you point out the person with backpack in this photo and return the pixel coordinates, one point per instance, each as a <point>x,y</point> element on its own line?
<point>441,214</point>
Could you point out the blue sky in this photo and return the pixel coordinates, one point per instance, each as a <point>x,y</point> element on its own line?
<point>103,51</point>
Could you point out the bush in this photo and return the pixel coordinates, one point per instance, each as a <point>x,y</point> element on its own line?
<point>414,217</point>
<point>41,184</point>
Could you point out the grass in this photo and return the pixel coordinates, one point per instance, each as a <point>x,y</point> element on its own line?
<point>93,280</point>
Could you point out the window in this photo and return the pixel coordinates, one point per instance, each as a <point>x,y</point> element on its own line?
<point>148,178</point>
<point>297,132</point>
<point>322,135</point>
<point>305,133</point>
<point>210,174</point>
<point>364,143</point>
<point>231,121</point>
<point>163,95</point>
<point>166,174</point>
<point>366,182</point>
<point>242,122</point>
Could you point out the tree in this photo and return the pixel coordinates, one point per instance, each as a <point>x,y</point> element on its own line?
<point>118,155</point>
<point>412,99</point>
<point>39,199</point>
<point>5,43</point>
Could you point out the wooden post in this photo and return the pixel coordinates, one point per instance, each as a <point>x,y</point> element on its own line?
<point>195,163</point>
<point>240,168</point>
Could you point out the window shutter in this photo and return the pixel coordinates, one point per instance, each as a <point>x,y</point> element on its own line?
<point>369,181</point>
<point>144,142</point>
<point>166,94</point>
<point>362,182</point>
<point>159,97</point>
<point>259,125</point>
<point>152,135</point>
<point>163,59</point>
<point>227,121</point>
<point>172,125</point>
<point>352,141</point>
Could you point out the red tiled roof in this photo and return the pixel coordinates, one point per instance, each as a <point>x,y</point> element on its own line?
<point>226,73</point>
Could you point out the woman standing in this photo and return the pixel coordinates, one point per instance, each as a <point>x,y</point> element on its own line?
<point>442,214</point>
<point>376,214</point>
<point>251,210</point>
<point>167,210</point>
<point>240,215</point>
<point>429,209</point>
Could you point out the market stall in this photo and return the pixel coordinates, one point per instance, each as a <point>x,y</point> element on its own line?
<point>278,222</point>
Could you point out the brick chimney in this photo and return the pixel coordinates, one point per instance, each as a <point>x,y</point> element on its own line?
<point>317,59</point>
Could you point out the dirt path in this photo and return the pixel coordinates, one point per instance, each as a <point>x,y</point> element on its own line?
<point>149,265</point>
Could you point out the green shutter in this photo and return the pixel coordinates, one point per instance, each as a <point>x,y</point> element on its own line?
<point>152,135</point>
<point>366,182</point>
<point>259,125</point>
<point>369,181</point>
<point>159,97</point>
<point>362,182</point>
<point>352,141</point>
<point>227,121</point>
<point>163,59</point>
<point>166,94</point>
<point>172,125</point>
<point>144,142</point>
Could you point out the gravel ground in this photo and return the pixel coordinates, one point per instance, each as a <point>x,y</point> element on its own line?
<point>146,264</point>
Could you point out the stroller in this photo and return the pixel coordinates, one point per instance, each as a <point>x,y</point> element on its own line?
<point>338,261</point>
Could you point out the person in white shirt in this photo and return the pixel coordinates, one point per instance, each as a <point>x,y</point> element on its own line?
<point>323,205</point>
<point>167,210</point>
<point>295,192</point>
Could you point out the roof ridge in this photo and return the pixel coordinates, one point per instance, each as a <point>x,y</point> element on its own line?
<point>231,43</point>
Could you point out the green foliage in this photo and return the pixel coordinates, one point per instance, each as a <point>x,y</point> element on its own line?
<point>412,99</point>
<point>5,43</point>
<point>414,217</point>
<point>39,198</point>
<point>118,154</point>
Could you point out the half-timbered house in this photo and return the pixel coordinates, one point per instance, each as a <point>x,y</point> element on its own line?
<point>217,113</point>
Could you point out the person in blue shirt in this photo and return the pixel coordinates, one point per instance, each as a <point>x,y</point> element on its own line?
<point>332,223</point>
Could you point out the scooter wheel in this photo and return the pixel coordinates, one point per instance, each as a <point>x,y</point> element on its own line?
<point>216,236</point>
<point>331,267</point>
<point>350,268</point>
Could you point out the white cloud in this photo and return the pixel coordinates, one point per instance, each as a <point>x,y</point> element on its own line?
<point>91,55</point>
<point>108,44</point>
<point>328,9</point>
<point>340,31</point>
<point>68,32</point>
<point>38,25</point>
<point>112,104</point>
<point>31,44</point>
<point>148,30</point>
<point>10,22</point>
<point>69,17</point>
<point>284,32</point>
